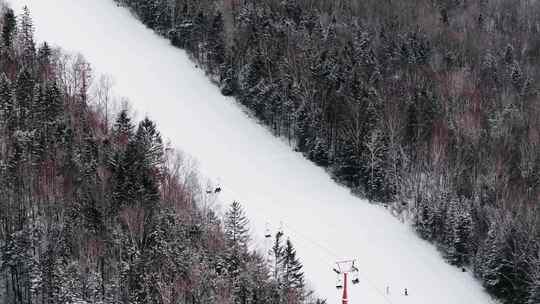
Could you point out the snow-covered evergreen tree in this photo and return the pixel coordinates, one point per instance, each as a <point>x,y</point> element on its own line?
<point>292,280</point>
<point>493,261</point>
<point>9,27</point>
<point>534,289</point>
<point>236,227</point>
<point>458,229</point>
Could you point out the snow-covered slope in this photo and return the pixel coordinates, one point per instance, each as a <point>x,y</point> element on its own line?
<point>273,183</point>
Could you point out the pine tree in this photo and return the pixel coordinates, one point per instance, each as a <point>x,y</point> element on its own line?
<point>216,43</point>
<point>516,77</point>
<point>162,17</point>
<point>374,160</point>
<point>9,28</point>
<point>278,253</point>
<point>236,237</point>
<point>494,264</point>
<point>150,143</point>
<point>293,277</point>
<point>319,153</point>
<point>26,36</point>
<point>47,106</point>
<point>236,228</point>
<point>44,61</point>
<point>53,103</point>
<point>534,289</point>
<point>301,128</point>
<point>250,75</point>
<point>423,220</point>
<point>534,293</point>
<point>228,81</point>
<point>348,163</point>
<point>509,54</point>
<point>24,96</point>
<point>123,128</point>
<point>243,288</point>
<point>458,229</point>
<point>462,236</point>
<point>44,52</point>
<point>7,111</point>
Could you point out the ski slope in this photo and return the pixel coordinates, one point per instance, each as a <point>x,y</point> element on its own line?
<point>274,184</point>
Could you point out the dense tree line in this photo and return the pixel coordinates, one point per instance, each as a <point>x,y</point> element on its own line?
<point>99,212</point>
<point>429,106</point>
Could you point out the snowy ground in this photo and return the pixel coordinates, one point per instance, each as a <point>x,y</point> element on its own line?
<point>273,183</point>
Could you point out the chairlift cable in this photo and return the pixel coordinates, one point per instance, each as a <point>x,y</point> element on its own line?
<point>327,251</point>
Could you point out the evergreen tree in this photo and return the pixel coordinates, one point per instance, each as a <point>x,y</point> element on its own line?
<point>216,43</point>
<point>44,61</point>
<point>53,103</point>
<point>424,220</point>
<point>278,253</point>
<point>236,237</point>
<point>9,28</point>
<point>534,289</point>
<point>150,143</point>
<point>319,154</point>
<point>236,228</point>
<point>301,128</point>
<point>123,128</point>
<point>24,96</point>
<point>458,229</point>
<point>374,161</point>
<point>7,110</point>
<point>26,36</point>
<point>348,163</point>
<point>228,79</point>
<point>293,277</point>
<point>243,289</point>
<point>509,54</point>
<point>162,17</point>
<point>494,263</point>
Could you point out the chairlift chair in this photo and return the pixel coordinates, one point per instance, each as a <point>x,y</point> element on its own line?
<point>339,282</point>
<point>267,233</point>
<point>355,275</point>
<point>355,279</point>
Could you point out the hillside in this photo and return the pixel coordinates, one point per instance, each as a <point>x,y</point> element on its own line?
<point>431,107</point>
<point>274,184</point>
<point>95,208</point>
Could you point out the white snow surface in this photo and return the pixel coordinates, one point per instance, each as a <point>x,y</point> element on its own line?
<point>273,183</point>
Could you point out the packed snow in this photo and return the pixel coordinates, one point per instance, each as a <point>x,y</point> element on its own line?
<point>274,184</point>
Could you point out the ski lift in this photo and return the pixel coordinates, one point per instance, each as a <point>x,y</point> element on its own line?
<point>267,233</point>
<point>339,282</point>
<point>355,275</point>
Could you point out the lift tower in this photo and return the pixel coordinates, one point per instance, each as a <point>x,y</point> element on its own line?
<point>343,269</point>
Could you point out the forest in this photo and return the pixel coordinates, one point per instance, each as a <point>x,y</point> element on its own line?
<point>430,107</point>
<point>95,208</point>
